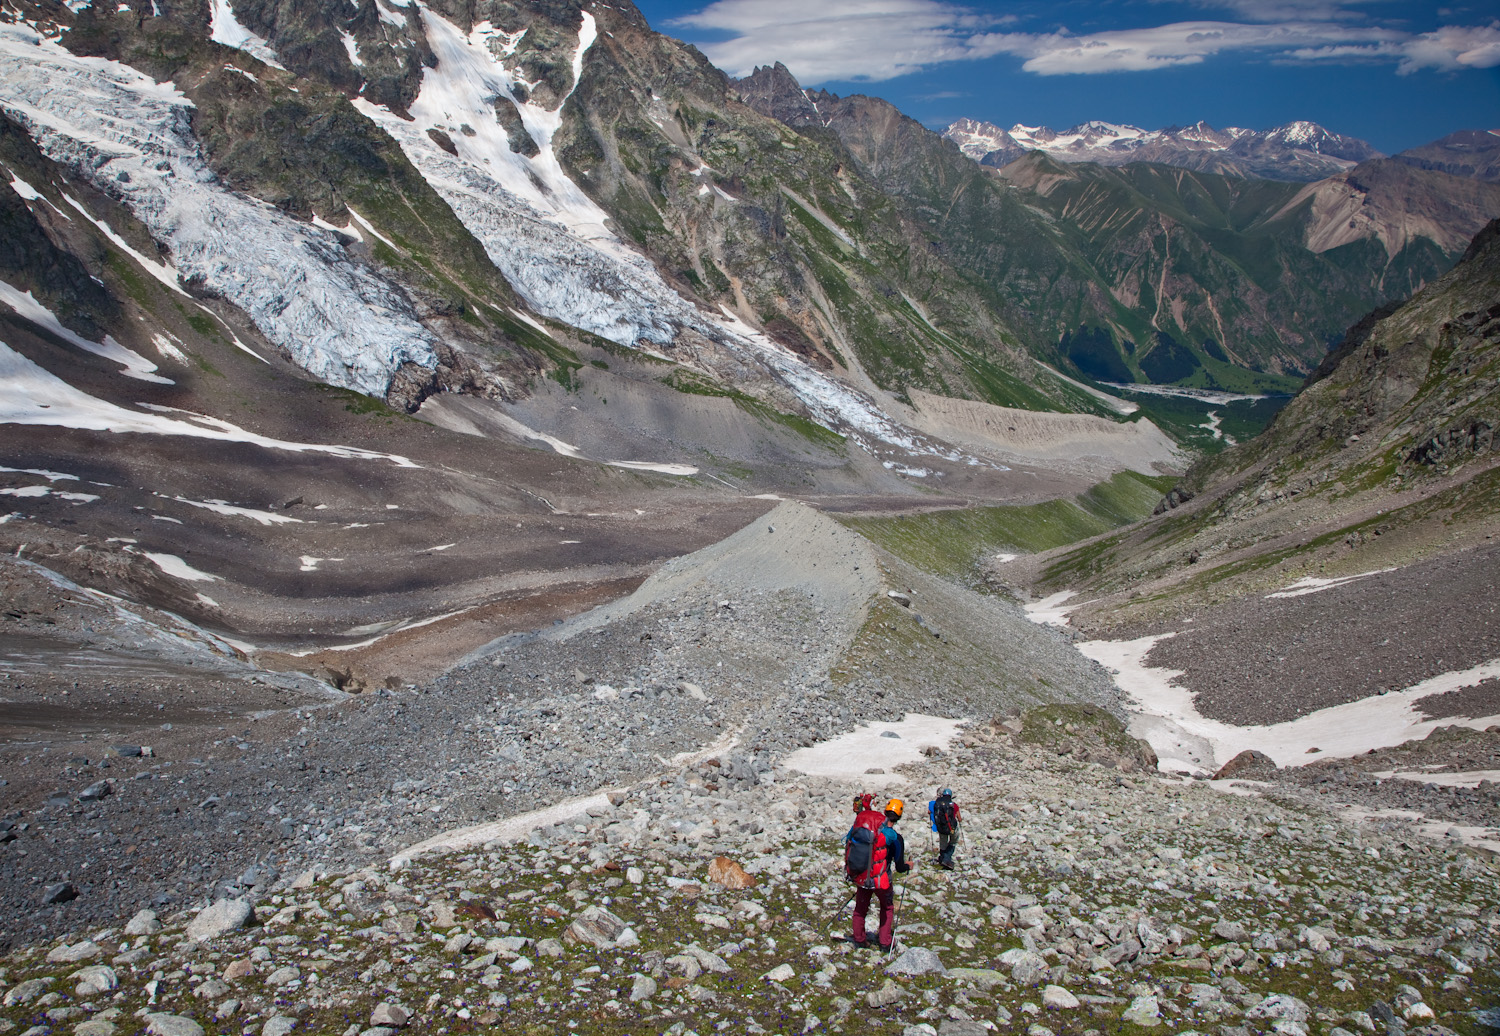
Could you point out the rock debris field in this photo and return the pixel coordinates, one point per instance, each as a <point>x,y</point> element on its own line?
<point>664,870</point>
<point>1085,900</point>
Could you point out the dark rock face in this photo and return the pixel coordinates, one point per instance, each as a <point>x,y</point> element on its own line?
<point>1248,764</point>
<point>30,260</point>
<point>773,91</point>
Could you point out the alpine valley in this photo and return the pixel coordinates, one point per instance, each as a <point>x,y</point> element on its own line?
<point>481,488</point>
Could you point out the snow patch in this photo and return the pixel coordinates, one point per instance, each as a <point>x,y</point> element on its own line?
<point>32,396</point>
<point>1166,715</point>
<point>849,755</point>
<point>266,518</point>
<point>1049,611</point>
<point>29,492</point>
<point>351,45</point>
<point>225,28</point>
<point>164,346</point>
<point>665,469</point>
<point>1316,584</point>
<point>50,476</point>
<point>174,566</point>
<point>28,308</point>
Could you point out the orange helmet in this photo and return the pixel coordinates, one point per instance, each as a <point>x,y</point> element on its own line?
<point>894,806</point>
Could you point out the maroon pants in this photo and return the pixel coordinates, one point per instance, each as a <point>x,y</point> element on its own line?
<point>887,913</point>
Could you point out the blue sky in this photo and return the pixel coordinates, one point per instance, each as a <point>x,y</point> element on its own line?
<point>1394,73</point>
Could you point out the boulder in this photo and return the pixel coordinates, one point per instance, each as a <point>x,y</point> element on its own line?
<point>916,961</point>
<point>93,980</point>
<point>595,927</point>
<point>143,923</point>
<point>390,1015</point>
<point>25,992</point>
<point>225,915</point>
<point>780,973</point>
<point>1143,1011</point>
<point>1027,968</point>
<point>1280,1005</point>
<point>79,951</point>
<point>886,995</point>
<point>1058,998</point>
<point>1248,764</point>
<point>161,1024</point>
<point>62,892</point>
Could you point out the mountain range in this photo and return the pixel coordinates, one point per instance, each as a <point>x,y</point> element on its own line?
<point>1298,151</point>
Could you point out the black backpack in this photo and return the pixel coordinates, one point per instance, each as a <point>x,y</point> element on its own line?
<point>942,815</point>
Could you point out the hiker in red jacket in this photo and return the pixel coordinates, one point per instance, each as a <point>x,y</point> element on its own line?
<point>869,856</point>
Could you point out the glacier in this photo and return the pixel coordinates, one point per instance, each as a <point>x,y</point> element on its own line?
<point>552,241</point>
<point>129,137</point>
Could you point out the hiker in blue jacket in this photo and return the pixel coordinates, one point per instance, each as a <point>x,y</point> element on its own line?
<point>944,815</point>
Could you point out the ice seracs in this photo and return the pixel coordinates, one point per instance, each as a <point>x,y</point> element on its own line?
<point>130,137</point>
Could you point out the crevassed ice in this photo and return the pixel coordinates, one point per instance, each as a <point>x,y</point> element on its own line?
<point>129,136</point>
<point>550,239</point>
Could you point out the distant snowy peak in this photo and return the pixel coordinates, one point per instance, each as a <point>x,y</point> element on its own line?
<point>1296,151</point>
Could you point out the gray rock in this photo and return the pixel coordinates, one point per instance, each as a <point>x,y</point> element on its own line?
<point>280,1025</point>
<point>780,973</point>
<point>393,1015</point>
<point>225,915</point>
<point>954,1027</point>
<point>86,950</point>
<point>25,992</point>
<point>642,988</point>
<point>1143,1011</point>
<point>96,791</point>
<point>1280,1005</point>
<point>985,978</point>
<point>161,1024</point>
<point>1058,998</point>
<point>94,979</point>
<point>143,923</point>
<point>596,927</point>
<point>886,995</point>
<point>62,892</point>
<point>1027,968</point>
<point>95,1027</point>
<point>283,976</point>
<point>916,961</point>
<point>1231,931</point>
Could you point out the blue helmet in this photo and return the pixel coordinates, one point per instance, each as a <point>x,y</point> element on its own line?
<point>947,793</point>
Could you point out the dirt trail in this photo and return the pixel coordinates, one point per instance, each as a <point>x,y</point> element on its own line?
<point>1075,442</point>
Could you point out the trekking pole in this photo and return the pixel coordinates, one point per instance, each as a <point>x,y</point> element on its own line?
<point>895,916</point>
<point>838,914</point>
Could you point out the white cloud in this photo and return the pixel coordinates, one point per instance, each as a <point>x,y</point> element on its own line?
<point>1164,46</point>
<point>838,39</point>
<point>873,40</point>
<point>1451,48</point>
